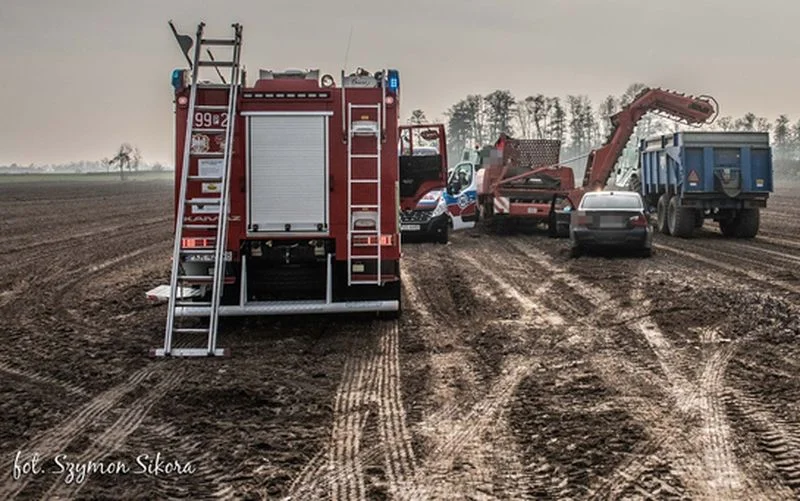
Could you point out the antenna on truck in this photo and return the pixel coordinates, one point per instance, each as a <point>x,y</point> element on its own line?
<point>185,42</point>
<point>347,50</point>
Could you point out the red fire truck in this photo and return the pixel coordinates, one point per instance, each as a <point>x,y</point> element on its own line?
<point>306,172</point>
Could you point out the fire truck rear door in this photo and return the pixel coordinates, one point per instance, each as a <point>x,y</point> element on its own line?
<point>288,172</point>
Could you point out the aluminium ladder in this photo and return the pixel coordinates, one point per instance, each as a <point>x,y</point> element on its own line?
<point>356,237</point>
<point>222,203</point>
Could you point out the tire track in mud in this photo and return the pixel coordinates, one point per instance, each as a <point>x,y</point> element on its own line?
<point>733,269</point>
<point>351,410</point>
<point>715,469</point>
<point>777,439</point>
<point>468,429</point>
<point>719,473</point>
<point>370,388</point>
<point>70,388</point>
<point>51,247</point>
<point>115,435</point>
<point>56,439</point>
<point>399,455</point>
<point>466,436</point>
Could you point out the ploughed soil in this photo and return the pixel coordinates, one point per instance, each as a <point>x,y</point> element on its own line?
<point>515,372</point>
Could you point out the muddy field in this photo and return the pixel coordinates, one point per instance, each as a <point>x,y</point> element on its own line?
<point>514,373</point>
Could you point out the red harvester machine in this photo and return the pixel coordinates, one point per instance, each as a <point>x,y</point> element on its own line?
<point>514,186</point>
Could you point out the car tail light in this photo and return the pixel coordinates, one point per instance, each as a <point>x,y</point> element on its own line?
<point>581,219</point>
<point>639,221</point>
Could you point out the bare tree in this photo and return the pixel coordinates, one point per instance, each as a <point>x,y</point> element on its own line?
<point>500,112</point>
<point>459,128</point>
<point>524,116</point>
<point>123,159</point>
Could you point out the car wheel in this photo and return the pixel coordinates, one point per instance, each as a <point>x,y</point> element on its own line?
<point>575,251</point>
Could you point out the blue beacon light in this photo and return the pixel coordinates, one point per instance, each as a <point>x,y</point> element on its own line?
<point>394,80</point>
<point>177,79</point>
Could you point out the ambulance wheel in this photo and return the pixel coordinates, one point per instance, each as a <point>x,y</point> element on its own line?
<point>444,236</point>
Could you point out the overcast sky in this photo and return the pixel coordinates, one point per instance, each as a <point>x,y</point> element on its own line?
<point>82,76</point>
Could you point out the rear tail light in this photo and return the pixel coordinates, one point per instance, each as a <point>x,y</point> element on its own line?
<point>639,221</point>
<point>582,219</point>
<point>192,243</point>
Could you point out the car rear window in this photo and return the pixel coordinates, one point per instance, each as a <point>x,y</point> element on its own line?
<point>612,202</point>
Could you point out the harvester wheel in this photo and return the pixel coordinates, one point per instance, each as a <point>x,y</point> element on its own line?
<point>680,219</point>
<point>661,213</point>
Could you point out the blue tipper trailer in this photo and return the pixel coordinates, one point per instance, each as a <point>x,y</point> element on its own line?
<point>693,176</point>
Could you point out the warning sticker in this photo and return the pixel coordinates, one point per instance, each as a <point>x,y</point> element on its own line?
<point>693,178</point>
<point>210,188</point>
<point>209,167</point>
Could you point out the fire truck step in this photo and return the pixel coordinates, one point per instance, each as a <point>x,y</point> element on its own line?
<point>211,107</point>
<point>197,251</point>
<point>365,257</point>
<point>205,178</point>
<point>364,155</point>
<point>218,41</point>
<point>218,64</point>
<point>364,232</point>
<point>365,106</point>
<point>200,226</point>
<point>363,206</point>
<point>190,304</point>
<point>208,153</point>
<point>186,330</point>
<point>195,278</point>
<point>364,181</point>
<point>191,352</point>
<point>209,85</point>
<point>194,201</point>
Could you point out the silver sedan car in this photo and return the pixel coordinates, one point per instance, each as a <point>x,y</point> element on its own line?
<point>611,219</point>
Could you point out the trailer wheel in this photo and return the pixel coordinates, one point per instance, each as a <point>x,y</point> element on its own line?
<point>747,223</point>
<point>728,227</point>
<point>681,220</point>
<point>699,219</point>
<point>661,213</point>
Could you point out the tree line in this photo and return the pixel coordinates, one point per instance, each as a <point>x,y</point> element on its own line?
<point>477,120</point>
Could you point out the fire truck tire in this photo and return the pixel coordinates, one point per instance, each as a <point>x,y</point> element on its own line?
<point>393,315</point>
<point>661,213</point>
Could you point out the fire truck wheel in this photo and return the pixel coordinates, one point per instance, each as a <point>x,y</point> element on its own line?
<point>393,315</point>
